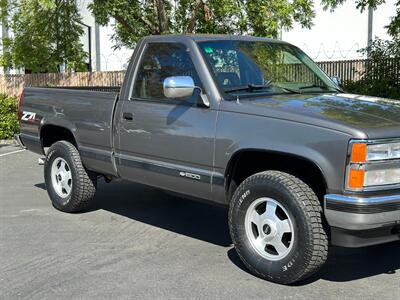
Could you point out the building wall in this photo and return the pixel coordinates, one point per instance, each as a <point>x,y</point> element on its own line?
<point>89,22</point>
<point>3,34</point>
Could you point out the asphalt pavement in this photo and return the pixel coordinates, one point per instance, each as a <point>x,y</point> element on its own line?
<point>136,242</point>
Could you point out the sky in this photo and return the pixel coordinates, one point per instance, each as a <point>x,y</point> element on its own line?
<point>334,36</point>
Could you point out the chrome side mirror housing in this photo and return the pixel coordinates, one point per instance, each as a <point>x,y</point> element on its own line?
<point>178,87</point>
<point>337,80</point>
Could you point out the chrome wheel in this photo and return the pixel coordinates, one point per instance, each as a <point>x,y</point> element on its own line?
<point>269,229</point>
<point>61,177</point>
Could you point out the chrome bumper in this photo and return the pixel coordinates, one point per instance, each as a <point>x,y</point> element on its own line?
<point>356,213</point>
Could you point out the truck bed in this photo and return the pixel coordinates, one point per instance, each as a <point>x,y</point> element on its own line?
<point>87,111</point>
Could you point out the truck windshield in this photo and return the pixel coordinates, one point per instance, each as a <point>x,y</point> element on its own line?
<point>251,68</point>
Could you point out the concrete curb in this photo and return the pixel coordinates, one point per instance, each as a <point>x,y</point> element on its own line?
<point>8,142</point>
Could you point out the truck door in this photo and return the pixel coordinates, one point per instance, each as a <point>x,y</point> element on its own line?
<point>165,142</point>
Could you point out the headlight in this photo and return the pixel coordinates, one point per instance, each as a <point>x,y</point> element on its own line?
<point>373,165</point>
<point>381,177</point>
<point>383,151</point>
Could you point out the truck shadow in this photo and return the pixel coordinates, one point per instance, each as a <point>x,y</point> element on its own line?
<point>194,219</point>
<point>345,264</point>
<point>208,223</point>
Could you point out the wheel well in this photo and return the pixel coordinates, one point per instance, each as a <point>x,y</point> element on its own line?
<point>50,134</point>
<point>246,163</point>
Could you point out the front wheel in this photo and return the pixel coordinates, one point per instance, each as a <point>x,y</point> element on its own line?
<point>275,225</point>
<point>70,186</point>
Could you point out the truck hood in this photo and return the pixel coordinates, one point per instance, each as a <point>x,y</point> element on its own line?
<point>363,116</point>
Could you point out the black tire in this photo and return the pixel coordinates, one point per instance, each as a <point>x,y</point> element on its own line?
<point>84,182</point>
<point>310,246</point>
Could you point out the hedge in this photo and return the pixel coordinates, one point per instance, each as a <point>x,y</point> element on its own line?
<point>9,125</point>
<point>378,88</point>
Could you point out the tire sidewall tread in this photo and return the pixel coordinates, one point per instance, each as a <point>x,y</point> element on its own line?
<point>310,247</point>
<point>84,182</point>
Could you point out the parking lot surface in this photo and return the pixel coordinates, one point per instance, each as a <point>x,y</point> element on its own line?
<point>141,243</point>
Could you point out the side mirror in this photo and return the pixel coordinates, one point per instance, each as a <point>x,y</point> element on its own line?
<point>182,87</point>
<point>178,86</point>
<point>337,80</point>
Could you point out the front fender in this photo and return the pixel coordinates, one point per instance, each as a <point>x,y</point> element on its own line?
<point>326,148</point>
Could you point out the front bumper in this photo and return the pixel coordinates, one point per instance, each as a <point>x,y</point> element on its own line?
<point>357,221</point>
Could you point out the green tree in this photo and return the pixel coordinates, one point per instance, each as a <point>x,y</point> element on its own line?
<point>394,26</point>
<point>45,35</point>
<point>138,18</point>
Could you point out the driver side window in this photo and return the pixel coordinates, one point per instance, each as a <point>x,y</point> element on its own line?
<point>159,61</point>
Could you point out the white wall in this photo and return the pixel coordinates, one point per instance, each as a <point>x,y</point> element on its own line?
<point>89,20</point>
<point>340,34</point>
<point>112,60</point>
<point>3,33</point>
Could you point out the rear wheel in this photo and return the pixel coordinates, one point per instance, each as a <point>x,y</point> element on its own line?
<point>70,186</point>
<point>275,224</point>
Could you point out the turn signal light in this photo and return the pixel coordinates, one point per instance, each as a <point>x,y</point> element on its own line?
<point>359,152</point>
<point>356,179</point>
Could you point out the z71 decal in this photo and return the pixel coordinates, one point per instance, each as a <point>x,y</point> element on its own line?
<point>27,115</point>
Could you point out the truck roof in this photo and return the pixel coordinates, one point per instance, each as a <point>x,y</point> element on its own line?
<point>209,37</point>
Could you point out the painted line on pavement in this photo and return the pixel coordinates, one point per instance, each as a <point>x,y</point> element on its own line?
<point>12,152</point>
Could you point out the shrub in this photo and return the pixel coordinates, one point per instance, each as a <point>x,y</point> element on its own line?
<point>379,88</point>
<point>8,117</point>
<point>382,73</point>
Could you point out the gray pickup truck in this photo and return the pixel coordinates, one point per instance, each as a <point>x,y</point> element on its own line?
<point>247,122</point>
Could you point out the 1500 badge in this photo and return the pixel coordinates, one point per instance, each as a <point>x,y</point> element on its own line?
<point>190,175</point>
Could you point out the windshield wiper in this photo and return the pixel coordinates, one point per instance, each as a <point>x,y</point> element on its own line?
<point>313,86</point>
<point>294,91</point>
<point>250,87</point>
<point>318,86</point>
